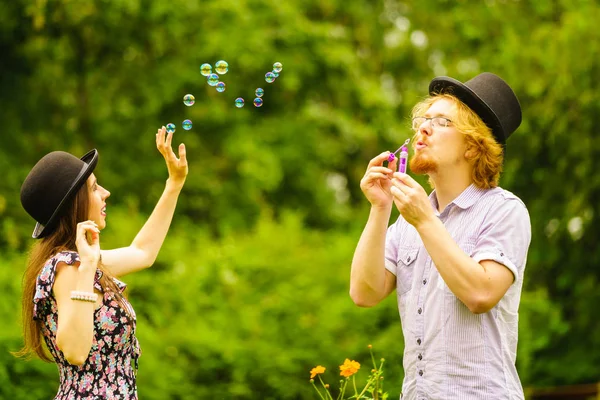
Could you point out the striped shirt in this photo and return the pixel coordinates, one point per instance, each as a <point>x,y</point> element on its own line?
<point>451,353</point>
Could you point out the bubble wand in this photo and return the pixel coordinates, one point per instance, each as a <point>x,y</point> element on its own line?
<point>403,156</point>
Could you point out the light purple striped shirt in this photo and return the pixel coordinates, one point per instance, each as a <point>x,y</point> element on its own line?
<point>451,353</point>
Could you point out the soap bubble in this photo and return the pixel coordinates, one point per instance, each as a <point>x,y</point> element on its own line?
<point>187,124</point>
<point>189,100</point>
<point>212,79</point>
<point>221,87</point>
<point>259,92</point>
<point>258,102</point>
<point>170,128</point>
<point>270,77</point>
<point>239,102</point>
<point>275,74</point>
<point>277,67</point>
<point>221,67</point>
<point>206,69</point>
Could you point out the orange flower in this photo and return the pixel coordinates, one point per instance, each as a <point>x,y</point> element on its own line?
<point>349,368</point>
<point>316,370</point>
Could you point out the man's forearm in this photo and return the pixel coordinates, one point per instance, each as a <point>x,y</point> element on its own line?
<point>367,278</point>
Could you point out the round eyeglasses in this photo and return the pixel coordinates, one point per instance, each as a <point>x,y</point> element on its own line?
<point>435,122</point>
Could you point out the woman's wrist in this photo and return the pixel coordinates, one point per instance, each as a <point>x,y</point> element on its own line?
<point>173,185</point>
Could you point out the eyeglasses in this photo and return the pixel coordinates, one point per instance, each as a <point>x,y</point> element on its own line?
<point>436,122</point>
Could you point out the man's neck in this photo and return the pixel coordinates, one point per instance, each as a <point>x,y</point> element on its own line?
<point>448,186</point>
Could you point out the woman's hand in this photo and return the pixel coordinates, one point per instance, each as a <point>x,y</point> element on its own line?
<point>88,243</point>
<point>178,167</point>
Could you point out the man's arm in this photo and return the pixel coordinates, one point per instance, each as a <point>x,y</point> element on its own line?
<point>479,285</point>
<point>370,281</point>
<point>482,280</point>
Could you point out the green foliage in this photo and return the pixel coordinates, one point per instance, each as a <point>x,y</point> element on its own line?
<point>250,290</point>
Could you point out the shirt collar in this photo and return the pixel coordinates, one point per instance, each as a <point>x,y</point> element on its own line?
<point>464,200</point>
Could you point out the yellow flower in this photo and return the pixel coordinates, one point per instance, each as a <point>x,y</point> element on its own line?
<point>349,368</point>
<point>316,370</point>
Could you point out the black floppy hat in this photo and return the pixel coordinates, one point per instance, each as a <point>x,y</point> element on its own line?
<point>51,184</point>
<point>489,97</point>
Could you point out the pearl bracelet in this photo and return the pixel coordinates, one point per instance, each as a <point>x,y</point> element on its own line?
<point>84,296</point>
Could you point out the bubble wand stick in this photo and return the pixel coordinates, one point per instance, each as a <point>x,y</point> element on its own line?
<point>403,156</point>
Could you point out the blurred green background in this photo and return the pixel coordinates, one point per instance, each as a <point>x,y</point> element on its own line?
<point>250,290</point>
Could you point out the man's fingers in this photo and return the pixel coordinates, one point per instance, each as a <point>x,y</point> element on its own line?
<point>373,176</point>
<point>406,180</point>
<point>383,170</point>
<point>378,161</point>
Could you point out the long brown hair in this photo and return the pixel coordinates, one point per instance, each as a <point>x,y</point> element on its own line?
<point>62,238</point>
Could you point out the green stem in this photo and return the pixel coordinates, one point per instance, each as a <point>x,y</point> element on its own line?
<point>373,358</point>
<point>369,383</point>
<point>343,390</point>
<point>315,386</point>
<point>325,387</point>
<point>354,383</point>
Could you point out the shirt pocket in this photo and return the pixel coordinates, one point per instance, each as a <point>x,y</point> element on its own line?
<point>405,266</point>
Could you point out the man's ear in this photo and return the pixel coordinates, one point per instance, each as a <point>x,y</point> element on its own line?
<point>470,153</point>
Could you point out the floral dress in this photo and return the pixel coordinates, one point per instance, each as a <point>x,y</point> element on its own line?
<point>108,372</point>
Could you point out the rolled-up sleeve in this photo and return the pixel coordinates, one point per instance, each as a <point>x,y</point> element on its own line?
<point>391,248</point>
<point>505,235</point>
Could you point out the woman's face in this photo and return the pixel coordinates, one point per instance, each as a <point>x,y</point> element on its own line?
<point>97,196</point>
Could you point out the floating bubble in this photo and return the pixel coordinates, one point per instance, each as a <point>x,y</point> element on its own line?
<point>221,67</point>
<point>170,128</point>
<point>276,74</point>
<point>259,92</point>
<point>239,102</point>
<point>277,67</point>
<point>187,124</point>
<point>212,79</point>
<point>221,87</point>
<point>189,100</point>
<point>270,77</point>
<point>258,102</point>
<point>206,69</point>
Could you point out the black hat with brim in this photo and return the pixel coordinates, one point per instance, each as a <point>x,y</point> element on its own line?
<point>489,97</point>
<point>51,184</point>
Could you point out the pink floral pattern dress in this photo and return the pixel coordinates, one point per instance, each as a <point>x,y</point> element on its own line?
<point>110,369</point>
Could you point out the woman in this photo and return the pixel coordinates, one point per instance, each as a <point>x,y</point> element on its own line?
<point>71,295</point>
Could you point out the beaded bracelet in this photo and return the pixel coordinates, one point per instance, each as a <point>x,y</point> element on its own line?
<point>84,296</point>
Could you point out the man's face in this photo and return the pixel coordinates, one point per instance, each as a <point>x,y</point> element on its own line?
<point>437,147</point>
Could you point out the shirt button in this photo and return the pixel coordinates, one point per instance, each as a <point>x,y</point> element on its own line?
<point>424,281</point>
<point>420,357</point>
<point>420,372</point>
<point>408,259</point>
<point>418,341</point>
<point>420,310</point>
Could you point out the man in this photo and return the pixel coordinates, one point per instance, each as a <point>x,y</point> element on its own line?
<point>457,257</point>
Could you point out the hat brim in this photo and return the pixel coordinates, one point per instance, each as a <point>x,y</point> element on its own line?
<point>445,84</point>
<point>90,159</point>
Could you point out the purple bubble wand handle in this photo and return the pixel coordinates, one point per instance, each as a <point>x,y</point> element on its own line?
<point>403,156</point>
<point>403,160</point>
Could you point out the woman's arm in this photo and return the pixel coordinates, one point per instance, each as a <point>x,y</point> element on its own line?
<point>145,246</point>
<point>75,326</point>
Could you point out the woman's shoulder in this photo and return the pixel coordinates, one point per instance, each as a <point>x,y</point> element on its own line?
<point>46,277</point>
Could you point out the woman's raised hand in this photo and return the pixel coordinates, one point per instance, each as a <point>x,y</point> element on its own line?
<point>178,167</point>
